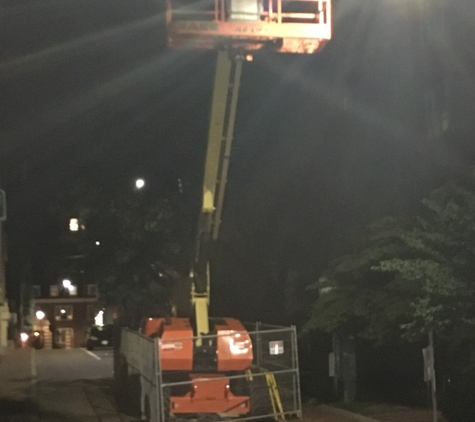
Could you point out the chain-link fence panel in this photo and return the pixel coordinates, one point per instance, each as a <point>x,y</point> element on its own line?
<point>268,389</point>
<point>140,373</point>
<point>274,348</point>
<point>276,355</point>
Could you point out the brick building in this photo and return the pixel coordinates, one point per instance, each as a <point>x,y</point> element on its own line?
<point>68,311</point>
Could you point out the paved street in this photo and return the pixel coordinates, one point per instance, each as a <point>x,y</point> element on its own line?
<point>72,365</point>
<point>16,403</point>
<point>75,386</point>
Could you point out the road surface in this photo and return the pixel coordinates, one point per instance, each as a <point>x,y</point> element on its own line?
<point>75,386</point>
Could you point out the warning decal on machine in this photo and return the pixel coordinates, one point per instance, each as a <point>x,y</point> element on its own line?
<point>178,345</point>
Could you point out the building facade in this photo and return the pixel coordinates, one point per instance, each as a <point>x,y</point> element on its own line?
<point>64,315</point>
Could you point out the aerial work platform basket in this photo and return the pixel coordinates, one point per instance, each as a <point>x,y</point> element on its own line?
<point>287,26</point>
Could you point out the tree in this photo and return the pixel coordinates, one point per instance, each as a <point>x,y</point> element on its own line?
<point>130,241</point>
<point>409,276</point>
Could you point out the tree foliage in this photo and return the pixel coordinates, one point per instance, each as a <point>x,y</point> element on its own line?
<point>408,276</point>
<point>129,242</point>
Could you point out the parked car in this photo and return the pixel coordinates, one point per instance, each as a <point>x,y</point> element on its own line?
<point>99,337</point>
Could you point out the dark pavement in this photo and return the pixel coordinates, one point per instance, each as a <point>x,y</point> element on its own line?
<point>16,386</point>
<point>75,385</point>
<point>57,386</point>
<point>72,365</point>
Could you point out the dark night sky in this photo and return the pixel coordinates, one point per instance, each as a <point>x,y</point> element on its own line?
<point>323,144</point>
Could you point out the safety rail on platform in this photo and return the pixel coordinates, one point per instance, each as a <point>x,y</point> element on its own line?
<point>277,11</point>
<point>298,26</point>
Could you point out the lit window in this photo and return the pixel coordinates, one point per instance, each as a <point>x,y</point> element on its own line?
<point>72,290</point>
<point>53,290</point>
<point>63,313</point>
<point>68,288</point>
<point>74,224</point>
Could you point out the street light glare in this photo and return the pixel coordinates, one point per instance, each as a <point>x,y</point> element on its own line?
<point>74,224</point>
<point>67,283</point>
<point>40,315</point>
<point>139,183</point>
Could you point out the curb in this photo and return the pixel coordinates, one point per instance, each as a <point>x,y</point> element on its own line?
<point>347,414</point>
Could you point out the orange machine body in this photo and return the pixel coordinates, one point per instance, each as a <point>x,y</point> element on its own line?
<point>208,392</point>
<point>234,346</point>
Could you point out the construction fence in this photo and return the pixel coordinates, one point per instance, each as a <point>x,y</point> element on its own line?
<point>272,382</point>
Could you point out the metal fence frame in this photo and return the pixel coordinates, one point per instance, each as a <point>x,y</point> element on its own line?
<point>141,354</point>
<point>137,349</point>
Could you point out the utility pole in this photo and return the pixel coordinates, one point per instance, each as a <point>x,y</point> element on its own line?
<point>431,24</point>
<point>429,373</point>
<point>4,310</point>
<point>342,364</point>
<point>432,373</point>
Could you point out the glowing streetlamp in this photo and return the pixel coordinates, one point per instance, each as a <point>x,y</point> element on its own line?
<point>139,183</point>
<point>40,315</point>
<point>75,225</point>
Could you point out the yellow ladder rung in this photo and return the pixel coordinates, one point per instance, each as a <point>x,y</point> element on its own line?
<point>275,397</point>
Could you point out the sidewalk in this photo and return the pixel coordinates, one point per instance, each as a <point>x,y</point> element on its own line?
<point>87,400</point>
<point>16,386</point>
<point>323,413</point>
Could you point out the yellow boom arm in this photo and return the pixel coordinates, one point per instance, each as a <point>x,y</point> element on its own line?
<point>220,137</point>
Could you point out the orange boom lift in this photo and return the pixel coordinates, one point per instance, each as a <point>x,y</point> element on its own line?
<point>201,355</point>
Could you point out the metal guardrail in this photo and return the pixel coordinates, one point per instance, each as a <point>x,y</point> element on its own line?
<point>287,26</point>
<point>278,11</point>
